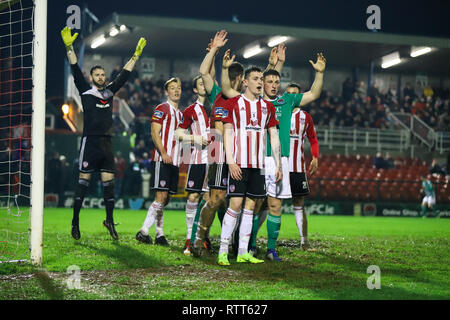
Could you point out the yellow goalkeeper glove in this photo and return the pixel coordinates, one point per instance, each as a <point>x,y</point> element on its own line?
<point>67,37</point>
<point>140,46</point>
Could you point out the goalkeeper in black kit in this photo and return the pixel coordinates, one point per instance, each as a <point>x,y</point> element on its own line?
<point>96,152</point>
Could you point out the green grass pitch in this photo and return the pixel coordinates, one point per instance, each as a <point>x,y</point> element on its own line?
<point>413,255</point>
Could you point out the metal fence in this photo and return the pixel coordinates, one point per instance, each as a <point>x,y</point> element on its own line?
<point>353,138</point>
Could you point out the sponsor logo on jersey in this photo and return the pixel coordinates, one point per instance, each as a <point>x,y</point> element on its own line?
<point>103,104</point>
<point>218,111</point>
<point>280,101</point>
<point>158,114</point>
<point>224,113</point>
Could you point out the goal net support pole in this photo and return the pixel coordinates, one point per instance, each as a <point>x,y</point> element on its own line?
<point>38,131</point>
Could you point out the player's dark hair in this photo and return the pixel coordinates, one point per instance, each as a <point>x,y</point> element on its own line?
<point>271,72</point>
<point>236,69</point>
<point>96,67</point>
<point>175,79</point>
<point>194,81</point>
<point>294,85</point>
<point>250,70</point>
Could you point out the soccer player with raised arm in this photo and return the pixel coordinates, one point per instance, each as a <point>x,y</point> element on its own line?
<point>96,153</point>
<point>302,125</point>
<point>277,191</point>
<point>195,119</point>
<point>217,168</point>
<point>247,119</point>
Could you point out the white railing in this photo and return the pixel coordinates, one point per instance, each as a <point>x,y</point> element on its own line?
<point>123,111</point>
<point>418,128</point>
<point>354,138</point>
<point>442,142</point>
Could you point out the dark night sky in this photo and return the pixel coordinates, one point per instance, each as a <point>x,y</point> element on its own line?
<point>426,18</point>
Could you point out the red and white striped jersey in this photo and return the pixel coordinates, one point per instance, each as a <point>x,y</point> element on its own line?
<point>215,148</point>
<point>250,120</point>
<point>197,120</point>
<point>301,125</point>
<point>170,118</point>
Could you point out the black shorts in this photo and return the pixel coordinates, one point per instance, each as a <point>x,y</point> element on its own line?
<point>299,184</point>
<point>164,177</point>
<point>218,176</point>
<point>96,154</point>
<point>252,184</point>
<point>195,178</point>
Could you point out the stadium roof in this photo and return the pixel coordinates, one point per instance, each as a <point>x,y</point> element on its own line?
<point>187,38</point>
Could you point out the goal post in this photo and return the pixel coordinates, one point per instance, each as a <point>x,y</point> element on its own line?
<point>23,42</point>
<point>38,131</point>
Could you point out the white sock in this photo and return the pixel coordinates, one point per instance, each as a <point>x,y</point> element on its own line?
<point>245,230</point>
<point>298,212</point>
<point>151,217</point>
<point>159,223</point>
<point>191,210</point>
<point>228,225</point>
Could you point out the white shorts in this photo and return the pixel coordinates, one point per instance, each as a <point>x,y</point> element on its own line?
<point>429,200</point>
<point>282,189</point>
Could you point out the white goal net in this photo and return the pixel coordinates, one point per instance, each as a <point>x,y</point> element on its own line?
<point>17,60</point>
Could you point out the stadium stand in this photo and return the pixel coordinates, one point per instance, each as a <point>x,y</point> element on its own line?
<point>355,178</point>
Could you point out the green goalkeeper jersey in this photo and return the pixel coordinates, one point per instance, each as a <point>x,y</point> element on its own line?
<point>284,105</point>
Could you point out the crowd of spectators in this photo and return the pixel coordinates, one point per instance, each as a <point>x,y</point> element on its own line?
<point>355,107</point>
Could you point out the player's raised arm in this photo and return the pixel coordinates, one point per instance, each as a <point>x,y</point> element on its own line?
<point>139,48</point>
<point>68,39</point>
<point>316,88</point>
<point>120,80</point>
<point>208,62</point>
<point>78,78</point>
<point>227,90</point>
<point>276,58</point>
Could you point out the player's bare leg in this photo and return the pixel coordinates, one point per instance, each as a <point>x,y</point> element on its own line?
<point>301,220</point>
<point>80,192</point>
